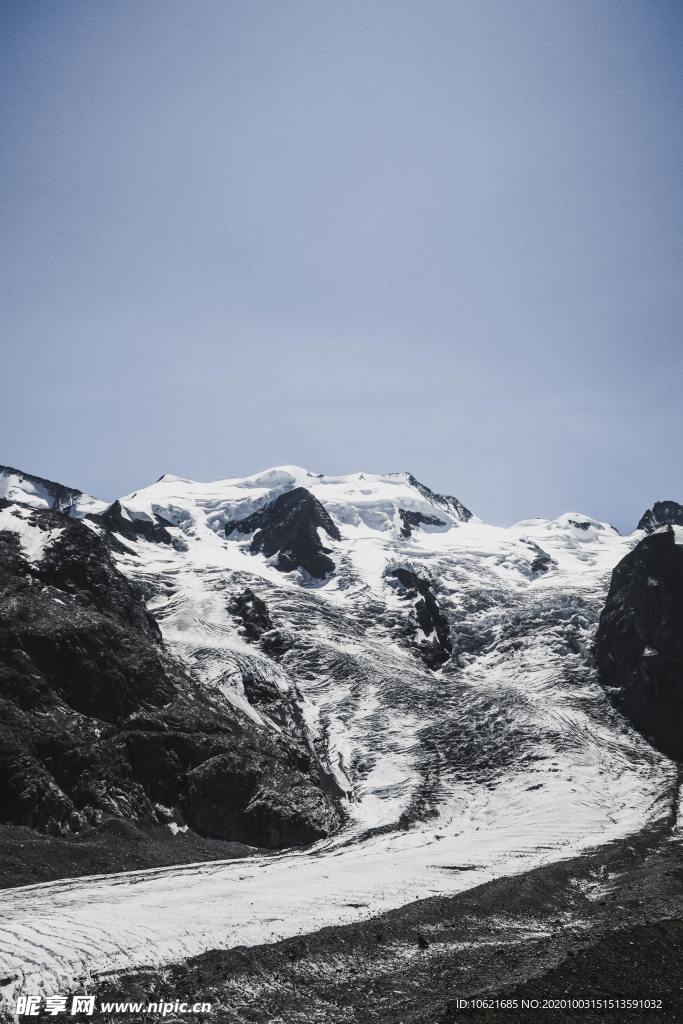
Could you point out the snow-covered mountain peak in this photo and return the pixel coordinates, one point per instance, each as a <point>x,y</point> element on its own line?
<point>366,501</point>
<point>28,489</point>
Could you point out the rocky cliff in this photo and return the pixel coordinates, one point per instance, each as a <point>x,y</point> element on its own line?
<point>99,720</point>
<point>639,644</point>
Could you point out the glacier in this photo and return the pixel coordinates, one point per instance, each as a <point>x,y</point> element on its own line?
<point>504,756</point>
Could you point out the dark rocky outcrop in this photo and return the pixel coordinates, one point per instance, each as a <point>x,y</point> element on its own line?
<point>639,643</point>
<point>98,721</point>
<point>444,501</point>
<point>154,530</point>
<point>28,856</point>
<point>253,613</point>
<point>288,527</point>
<point>411,519</point>
<point>542,561</point>
<point>580,524</point>
<point>268,809</point>
<point>662,513</point>
<point>438,648</point>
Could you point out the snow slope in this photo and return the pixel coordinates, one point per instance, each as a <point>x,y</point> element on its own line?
<point>40,493</point>
<point>506,756</point>
<point>32,538</point>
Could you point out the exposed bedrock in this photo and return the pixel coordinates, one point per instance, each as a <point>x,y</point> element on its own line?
<point>542,561</point>
<point>253,613</point>
<point>288,527</point>
<point>98,721</point>
<point>154,530</point>
<point>639,643</point>
<point>410,520</point>
<point>662,513</point>
<point>445,501</point>
<point>437,647</point>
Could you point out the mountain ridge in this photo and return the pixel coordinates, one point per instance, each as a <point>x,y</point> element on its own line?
<point>668,511</point>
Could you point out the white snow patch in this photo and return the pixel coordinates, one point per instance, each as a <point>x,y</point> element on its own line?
<point>32,538</point>
<point>176,828</point>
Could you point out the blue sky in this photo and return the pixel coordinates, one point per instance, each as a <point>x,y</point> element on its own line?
<point>443,237</point>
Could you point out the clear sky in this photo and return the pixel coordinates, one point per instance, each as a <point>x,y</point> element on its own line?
<point>442,237</point>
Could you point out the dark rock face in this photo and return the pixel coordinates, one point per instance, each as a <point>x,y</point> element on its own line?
<point>431,620</point>
<point>253,613</point>
<point>28,856</point>
<point>258,626</point>
<point>278,811</point>
<point>580,524</point>
<point>411,519</point>
<point>542,561</point>
<point>98,721</point>
<point>639,644</point>
<point>114,520</point>
<point>288,527</point>
<point>662,513</point>
<point>445,501</point>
